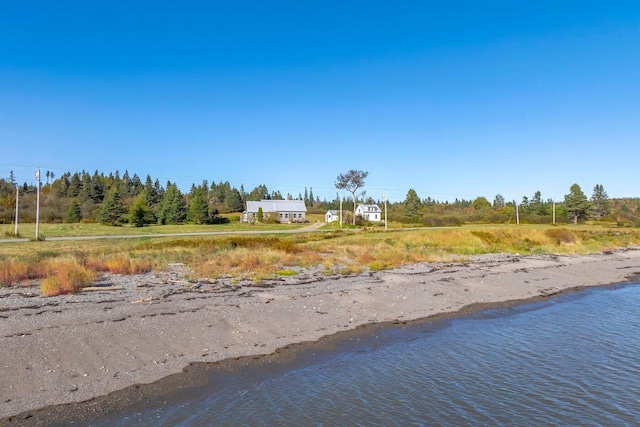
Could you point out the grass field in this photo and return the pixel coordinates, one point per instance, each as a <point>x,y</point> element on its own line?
<point>265,256</point>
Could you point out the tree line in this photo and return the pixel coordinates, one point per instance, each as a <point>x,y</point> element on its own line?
<point>574,208</point>
<point>114,199</point>
<point>117,199</point>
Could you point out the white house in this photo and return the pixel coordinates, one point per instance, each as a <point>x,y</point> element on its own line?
<point>287,210</point>
<point>369,212</point>
<point>332,216</point>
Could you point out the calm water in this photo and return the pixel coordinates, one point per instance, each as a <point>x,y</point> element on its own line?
<point>574,360</point>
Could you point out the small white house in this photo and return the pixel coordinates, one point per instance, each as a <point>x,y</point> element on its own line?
<point>288,211</point>
<point>369,212</point>
<point>332,216</point>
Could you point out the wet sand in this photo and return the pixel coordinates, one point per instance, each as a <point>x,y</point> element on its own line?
<point>99,346</point>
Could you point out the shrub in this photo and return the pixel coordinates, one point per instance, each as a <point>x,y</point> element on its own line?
<point>51,286</point>
<point>69,277</point>
<point>73,277</point>
<point>121,265</point>
<point>12,272</point>
<point>560,235</point>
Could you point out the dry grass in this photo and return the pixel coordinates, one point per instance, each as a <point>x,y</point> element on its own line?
<point>68,277</point>
<point>13,272</point>
<point>120,264</point>
<point>259,256</point>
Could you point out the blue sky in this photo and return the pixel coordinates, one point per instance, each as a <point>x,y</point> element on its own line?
<point>454,99</point>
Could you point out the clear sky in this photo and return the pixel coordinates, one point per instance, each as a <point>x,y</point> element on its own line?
<point>451,98</point>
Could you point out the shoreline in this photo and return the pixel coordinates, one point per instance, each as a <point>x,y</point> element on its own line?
<point>98,347</point>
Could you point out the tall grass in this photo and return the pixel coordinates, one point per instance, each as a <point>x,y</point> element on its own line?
<point>258,256</point>
<point>68,277</point>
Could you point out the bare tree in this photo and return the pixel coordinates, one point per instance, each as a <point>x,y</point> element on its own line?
<point>352,181</point>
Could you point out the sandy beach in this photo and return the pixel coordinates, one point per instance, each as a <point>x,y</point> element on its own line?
<point>130,330</point>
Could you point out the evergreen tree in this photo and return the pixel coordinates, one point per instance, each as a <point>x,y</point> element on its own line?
<point>198,207</point>
<point>149,192</point>
<point>96,188</point>
<point>62,185</point>
<point>260,214</point>
<point>576,204</point>
<point>74,214</point>
<point>234,201</point>
<point>126,184</point>
<point>140,212</point>
<point>85,184</point>
<point>158,194</point>
<point>259,193</point>
<point>536,205</point>
<point>174,208</point>
<point>600,204</point>
<point>112,210</point>
<point>412,205</point>
<point>136,185</point>
<point>74,186</point>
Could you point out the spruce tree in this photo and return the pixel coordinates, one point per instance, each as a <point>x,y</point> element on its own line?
<point>112,211</point>
<point>198,207</point>
<point>74,186</point>
<point>576,204</point>
<point>74,214</point>
<point>140,212</point>
<point>600,204</point>
<point>174,208</point>
<point>412,205</point>
<point>234,201</point>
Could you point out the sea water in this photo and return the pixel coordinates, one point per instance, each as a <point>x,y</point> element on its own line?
<point>571,360</point>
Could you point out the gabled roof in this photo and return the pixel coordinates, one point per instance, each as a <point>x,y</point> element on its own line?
<point>277,206</point>
<point>365,208</point>
<point>332,212</point>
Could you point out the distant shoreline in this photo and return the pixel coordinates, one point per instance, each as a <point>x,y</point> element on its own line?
<point>80,348</point>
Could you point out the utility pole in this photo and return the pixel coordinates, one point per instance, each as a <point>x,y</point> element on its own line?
<point>38,205</point>
<point>385,210</point>
<point>517,215</point>
<point>341,209</point>
<point>554,212</point>
<point>17,196</point>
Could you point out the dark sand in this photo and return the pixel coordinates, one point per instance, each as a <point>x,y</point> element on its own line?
<point>120,345</point>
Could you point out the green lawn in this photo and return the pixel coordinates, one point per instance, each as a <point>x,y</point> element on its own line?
<point>92,229</point>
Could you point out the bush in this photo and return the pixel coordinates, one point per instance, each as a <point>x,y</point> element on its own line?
<point>560,235</point>
<point>12,272</point>
<point>121,265</point>
<point>272,218</point>
<point>69,277</point>
<point>51,286</point>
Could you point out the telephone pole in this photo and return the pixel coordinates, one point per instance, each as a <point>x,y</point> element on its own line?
<point>38,205</point>
<point>17,196</point>
<point>385,210</point>
<point>341,209</point>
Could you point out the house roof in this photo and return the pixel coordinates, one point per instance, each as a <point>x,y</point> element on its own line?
<point>332,211</point>
<point>277,206</point>
<point>365,208</point>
